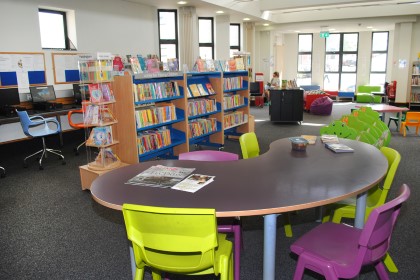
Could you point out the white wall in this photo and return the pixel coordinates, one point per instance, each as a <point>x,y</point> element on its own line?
<point>119,27</point>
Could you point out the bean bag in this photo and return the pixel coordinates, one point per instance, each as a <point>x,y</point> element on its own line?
<point>322,106</point>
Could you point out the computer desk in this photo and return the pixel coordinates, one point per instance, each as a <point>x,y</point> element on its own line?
<point>56,113</point>
<point>279,181</point>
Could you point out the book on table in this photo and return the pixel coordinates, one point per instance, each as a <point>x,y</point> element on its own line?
<point>193,183</point>
<point>329,138</point>
<point>339,148</point>
<point>160,176</point>
<point>310,138</point>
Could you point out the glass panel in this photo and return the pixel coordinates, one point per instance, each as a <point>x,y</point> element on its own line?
<point>380,41</point>
<point>52,30</point>
<point>304,62</point>
<point>349,63</point>
<point>377,79</point>
<point>332,43</point>
<point>378,62</point>
<point>234,35</point>
<point>304,79</point>
<point>167,25</point>
<point>331,62</point>
<point>167,51</point>
<point>348,82</point>
<point>206,52</point>
<point>350,42</point>
<point>205,28</point>
<point>331,81</point>
<point>305,43</point>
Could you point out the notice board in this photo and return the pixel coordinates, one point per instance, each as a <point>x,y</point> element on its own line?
<point>65,68</point>
<point>19,69</point>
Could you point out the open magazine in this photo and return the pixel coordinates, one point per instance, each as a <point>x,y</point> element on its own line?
<point>160,176</point>
<point>193,183</point>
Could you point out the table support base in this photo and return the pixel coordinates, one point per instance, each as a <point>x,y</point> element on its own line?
<point>270,227</point>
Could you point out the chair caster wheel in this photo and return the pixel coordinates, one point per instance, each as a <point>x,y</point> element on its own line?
<point>221,148</point>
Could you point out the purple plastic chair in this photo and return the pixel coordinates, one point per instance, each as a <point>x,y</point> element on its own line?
<point>340,251</point>
<point>224,225</point>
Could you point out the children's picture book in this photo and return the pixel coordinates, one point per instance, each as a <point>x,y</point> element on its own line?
<point>239,63</point>
<point>329,138</point>
<point>193,183</point>
<point>210,65</point>
<point>107,94</point>
<point>95,93</point>
<point>210,89</point>
<point>100,136</point>
<point>232,64</point>
<point>173,64</point>
<point>194,90</point>
<point>339,148</point>
<point>135,65</point>
<point>202,91</point>
<point>310,138</point>
<point>160,176</point>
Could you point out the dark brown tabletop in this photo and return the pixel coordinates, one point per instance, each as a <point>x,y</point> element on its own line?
<point>278,181</point>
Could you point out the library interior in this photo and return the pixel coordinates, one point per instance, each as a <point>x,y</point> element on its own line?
<point>208,139</point>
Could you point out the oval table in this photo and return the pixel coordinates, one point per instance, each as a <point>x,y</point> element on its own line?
<point>276,182</point>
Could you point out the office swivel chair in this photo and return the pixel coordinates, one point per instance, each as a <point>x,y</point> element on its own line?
<point>38,127</point>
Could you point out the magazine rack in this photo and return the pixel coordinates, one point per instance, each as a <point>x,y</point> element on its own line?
<point>98,112</point>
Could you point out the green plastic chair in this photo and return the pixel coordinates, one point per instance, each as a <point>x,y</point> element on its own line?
<point>250,149</point>
<point>359,126</point>
<point>177,240</point>
<point>375,198</point>
<point>371,117</point>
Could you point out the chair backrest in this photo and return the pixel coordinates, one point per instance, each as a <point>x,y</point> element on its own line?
<point>179,240</point>
<point>412,118</point>
<point>377,196</point>
<point>340,129</point>
<point>249,145</point>
<point>376,235</point>
<point>370,118</point>
<point>25,121</point>
<point>73,124</point>
<point>208,155</point>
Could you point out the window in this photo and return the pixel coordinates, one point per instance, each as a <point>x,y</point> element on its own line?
<point>341,61</point>
<point>206,37</point>
<point>379,58</point>
<point>304,75</point>
<point>168,34</point>
<point>53,29</point>
<point>234,38</point>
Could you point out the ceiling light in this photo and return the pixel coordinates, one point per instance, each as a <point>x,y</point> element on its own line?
<point>370,27</point>
<point>182,2</point>
<point>266,24</point>
<point>220,12</point>
<point>331,29</point>
<point>297,31</point>
<point>246,18</point>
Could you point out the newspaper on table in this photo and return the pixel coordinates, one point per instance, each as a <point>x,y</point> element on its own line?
<point>160,176</point>
<point>193,183</point>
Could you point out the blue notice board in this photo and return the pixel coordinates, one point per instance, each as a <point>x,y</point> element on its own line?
<point>22,68</point>
<point>66,68</point>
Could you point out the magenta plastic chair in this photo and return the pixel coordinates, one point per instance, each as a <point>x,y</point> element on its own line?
<point>224,225</point>
<point>340,251</point>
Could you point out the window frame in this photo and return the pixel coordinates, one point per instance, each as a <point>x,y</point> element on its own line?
<point>379,52</point>
<point>340,54</point>
<point>305,53</point>
<point>169,41</point>
<point>236,47</point>
<point>211,44</point>
<point>66,33</point>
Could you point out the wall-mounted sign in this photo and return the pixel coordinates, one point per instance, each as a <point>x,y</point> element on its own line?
<point>324,34</point>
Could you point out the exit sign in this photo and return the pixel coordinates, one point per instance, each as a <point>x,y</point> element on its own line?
<point>324,34</point>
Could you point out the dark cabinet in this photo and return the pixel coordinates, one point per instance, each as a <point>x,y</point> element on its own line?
<point>286,105</point>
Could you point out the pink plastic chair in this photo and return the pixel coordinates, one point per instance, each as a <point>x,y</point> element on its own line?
<point>224,225</point>
<point>340,251</point>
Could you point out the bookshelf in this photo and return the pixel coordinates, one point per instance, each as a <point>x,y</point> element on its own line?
<point>99,118</point>
<point>415,86</point>
<point>199,119</point>
<point>205,116</point>
<point>236,103</point>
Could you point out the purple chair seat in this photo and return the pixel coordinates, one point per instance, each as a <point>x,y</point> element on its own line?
<point>340,251</point>
<point>322,106</point>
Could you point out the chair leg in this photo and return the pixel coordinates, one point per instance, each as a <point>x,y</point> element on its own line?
<point>237,251</point>
<point>389,263</point>
<point>300,269</point>
<point>44,154</point>
<point>287,226</point>
<point>380,270</point>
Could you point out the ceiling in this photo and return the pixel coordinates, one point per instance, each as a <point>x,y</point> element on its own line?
<point>288,16</point>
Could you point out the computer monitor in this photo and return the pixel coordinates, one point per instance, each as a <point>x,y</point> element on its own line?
<point>80,92</point>
<point>9,96</point>
<point>254,87</point>
<point>42,94</point>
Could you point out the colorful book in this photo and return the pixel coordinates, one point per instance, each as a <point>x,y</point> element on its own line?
<point>194,90</point>
<point>107,94</point>
<point>160,176</point>
<point>95,93</point>
<point>202,91</point>
<point>310,138</point>
<point>135,65</point>
<point>339,148</point>
<point>210,89</point>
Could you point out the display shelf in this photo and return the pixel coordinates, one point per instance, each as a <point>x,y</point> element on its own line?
<point>414,100</point>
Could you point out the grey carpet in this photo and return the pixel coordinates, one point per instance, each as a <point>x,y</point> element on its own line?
<point>51,229</point>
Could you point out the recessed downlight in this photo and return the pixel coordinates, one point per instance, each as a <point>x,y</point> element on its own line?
<point>266,24</point>
<point>220,12</point>
<point>182,2</point>
<point>246,18</point>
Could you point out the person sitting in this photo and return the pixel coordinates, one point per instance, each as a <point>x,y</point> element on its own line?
<point>274,83</point>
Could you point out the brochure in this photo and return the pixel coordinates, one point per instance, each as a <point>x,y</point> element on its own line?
<point>326,138</point>
<point>160,176</point>
<point>193,183</point>
<point>339,148</point>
